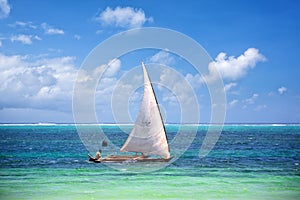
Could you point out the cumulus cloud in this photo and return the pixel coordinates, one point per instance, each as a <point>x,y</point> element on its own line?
<point>89,85</point>
<point>112,68</point>
<point>49,30</point>
<point>176,83</point>
<point>86,82</point>
<point>232,68</point>
<point>25,39</point>
<point>126,17</point>
<point>195,80</point>
<point>4,9</point>
<point>282,90</point>
<point>108,70</point>
<point>162,57</point>
<point>45,83</point>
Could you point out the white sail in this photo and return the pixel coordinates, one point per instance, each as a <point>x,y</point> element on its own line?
<point>148,134</point>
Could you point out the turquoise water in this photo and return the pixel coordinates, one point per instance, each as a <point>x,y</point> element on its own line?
<point>248,162</point>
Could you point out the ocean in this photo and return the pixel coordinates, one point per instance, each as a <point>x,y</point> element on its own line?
<point>248,162</point>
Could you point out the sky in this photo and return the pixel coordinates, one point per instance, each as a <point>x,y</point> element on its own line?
<point>253,45</point>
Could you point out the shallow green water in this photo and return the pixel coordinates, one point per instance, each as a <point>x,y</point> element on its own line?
<point>169,184</point>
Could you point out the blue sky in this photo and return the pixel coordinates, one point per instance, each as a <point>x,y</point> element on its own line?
<point>253,44</point>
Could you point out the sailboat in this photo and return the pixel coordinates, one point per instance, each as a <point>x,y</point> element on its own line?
<point>148,138</point>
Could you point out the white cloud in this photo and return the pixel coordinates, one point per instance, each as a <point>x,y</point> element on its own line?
<point>195,80</point>
<point>282,90</point>
<point>232,68</point>
<point>177,84</point>
<point>108,70</point>
<point>126,17</point>
<point>37,37</point>
<point>31,115</point>
<point>162,57</point>
<point>25,39</point>
<point>233,103</point>
<point>113,67</point>
<point>86,84</point>
<point>252,99</point>
<point>228,86</point>
<point>260,107</point>
<point>43,84</point>
<point>51,31</point>
<point>171,99</point>
<point>4,9</point>
<point>23,24</point>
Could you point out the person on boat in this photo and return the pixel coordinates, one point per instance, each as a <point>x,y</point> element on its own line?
<point>98,154</point>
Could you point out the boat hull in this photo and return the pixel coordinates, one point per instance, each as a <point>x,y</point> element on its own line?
<point>120,159</point>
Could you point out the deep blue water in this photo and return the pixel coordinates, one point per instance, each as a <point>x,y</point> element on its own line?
<point>239,147</point>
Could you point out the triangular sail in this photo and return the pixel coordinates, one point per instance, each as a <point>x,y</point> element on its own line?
<point>148,134</point>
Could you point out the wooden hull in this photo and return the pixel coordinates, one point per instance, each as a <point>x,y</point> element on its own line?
<point>120,159</point>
